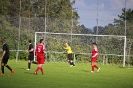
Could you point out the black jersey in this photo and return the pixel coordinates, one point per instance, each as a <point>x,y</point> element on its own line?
<point>6,48</point>
<point>30,47</point>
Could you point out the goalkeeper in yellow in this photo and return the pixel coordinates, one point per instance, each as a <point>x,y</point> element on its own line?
<point>69,54</point>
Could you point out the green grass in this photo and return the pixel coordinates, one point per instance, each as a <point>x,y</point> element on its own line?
<point>60,75</point>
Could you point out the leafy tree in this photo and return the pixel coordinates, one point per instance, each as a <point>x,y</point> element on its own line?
<point>4,7</point>
<point>14,8</point>
<point>55,9</point>
<point>129,21</point>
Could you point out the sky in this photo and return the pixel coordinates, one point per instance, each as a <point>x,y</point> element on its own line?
<point>103,10</point>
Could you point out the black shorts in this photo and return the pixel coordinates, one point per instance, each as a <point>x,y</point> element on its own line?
<point>5,59</point>
<point>31,57</point>
<point>70,57</point>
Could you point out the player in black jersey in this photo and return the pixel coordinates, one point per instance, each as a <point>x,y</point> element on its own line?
<point>4,58</point>
<point>31,54</point>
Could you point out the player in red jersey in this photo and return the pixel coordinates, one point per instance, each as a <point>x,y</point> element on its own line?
<point>94,57</point>
<point>40,49</point>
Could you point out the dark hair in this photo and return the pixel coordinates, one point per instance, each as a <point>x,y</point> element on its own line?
<point>29,41</point>
<point>41,40</point>
<point>3,40</point>
<point>94,43</point>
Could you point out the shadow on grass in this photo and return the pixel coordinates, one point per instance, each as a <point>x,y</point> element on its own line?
<point>26,71</point>
<point>29,72</point>
<point>22,68</point>
<point>85,70</point>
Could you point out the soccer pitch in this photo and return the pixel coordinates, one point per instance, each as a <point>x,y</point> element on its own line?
<point>60,75</point>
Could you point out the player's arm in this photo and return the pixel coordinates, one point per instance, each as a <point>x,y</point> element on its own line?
<point>66,48</point>
<point>36,51</point>
<point>31,50</point>
<point>3,54</point>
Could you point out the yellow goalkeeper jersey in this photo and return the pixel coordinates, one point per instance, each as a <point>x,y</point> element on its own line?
<point>68,49</point>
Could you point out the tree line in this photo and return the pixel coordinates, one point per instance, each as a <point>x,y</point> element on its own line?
<point>59,14</point>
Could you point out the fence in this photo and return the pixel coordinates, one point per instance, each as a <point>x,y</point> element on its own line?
<point>18,33</point>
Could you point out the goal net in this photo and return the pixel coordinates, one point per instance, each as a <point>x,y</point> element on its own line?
<point>112,47</point>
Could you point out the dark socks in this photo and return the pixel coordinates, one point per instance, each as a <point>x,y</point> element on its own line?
<point>29,65</point>
<point>73,64</point>
<point>2,69</point>
<point>9,67</point>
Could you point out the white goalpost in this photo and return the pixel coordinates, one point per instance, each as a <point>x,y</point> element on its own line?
<point>81,43</point>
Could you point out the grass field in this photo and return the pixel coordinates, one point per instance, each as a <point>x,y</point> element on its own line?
<point>60,75</point>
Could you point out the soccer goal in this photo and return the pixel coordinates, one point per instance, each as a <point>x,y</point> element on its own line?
<point>108,45</point>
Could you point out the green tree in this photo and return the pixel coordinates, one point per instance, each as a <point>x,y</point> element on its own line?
<point>4,7</point>
<point>14,8</point>
<point>129,21</point>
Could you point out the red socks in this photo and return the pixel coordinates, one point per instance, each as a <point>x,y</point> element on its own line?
<point>40,68</point>
<point>94,66</point>
<point>37,69</point>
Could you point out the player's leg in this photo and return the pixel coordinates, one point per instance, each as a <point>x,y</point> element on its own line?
<point>41,68</point>
<point>72,63</point>
<point>42,61</point>
<point>71,60</point>
<point>29,61</point>
<point>12,71</point>
<point>7,66</point>
<point>96,66</point>
<point>2,68</point>
<point>29,64</point>
<point>3,62</point>
<point>68,59</point>
<point>37,69</point>
<point>92,66</point>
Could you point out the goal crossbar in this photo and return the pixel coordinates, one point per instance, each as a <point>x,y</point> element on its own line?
<point>79,34</point>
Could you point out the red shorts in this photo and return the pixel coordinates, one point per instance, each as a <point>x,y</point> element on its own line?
<point>93,59</point>
<point>40,59</point>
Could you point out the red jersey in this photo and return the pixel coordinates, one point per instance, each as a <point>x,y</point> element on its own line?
<point>95,53</point>
<point>40,48</point>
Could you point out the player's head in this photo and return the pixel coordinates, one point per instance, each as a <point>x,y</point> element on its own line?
<point>42,41</point>
<point>29,41</point>
<point>94,44</point>
<point>3,41</point>
<point>66,44</point>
